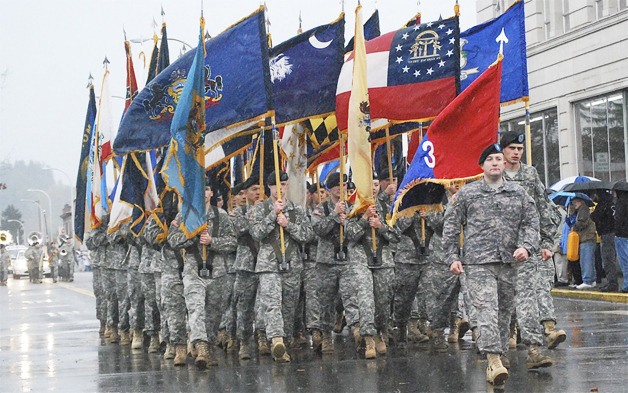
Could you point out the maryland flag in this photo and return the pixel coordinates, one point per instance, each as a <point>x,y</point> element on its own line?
<point>184,168</point>
<point>359,124</point>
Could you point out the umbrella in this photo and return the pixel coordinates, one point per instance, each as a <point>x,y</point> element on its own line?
<point>589,186</point>
<point>568,180</point>
<point>564,198</point>
<point>620,186</point>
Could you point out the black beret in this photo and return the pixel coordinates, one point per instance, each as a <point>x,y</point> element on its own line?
<point>491,149</point>
<point>235,190</point>
<point>333,180</point>
<point>511,137</point>
<point>270,179</point>
<point>250,182</point>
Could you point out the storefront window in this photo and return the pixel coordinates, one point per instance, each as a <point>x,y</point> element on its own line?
<point>600,122</point>
<point>545,147</point>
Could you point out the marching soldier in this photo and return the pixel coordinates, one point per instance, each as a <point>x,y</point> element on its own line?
<point>203,277</point>
<point>53,261</point>
<point>500,227</point>
<point>97,245</point>
<point>118,252</point>
<point>5,261</point>
<point>279,270</point>
<point>35,258</point>
<point>66,257</point>
<point>150,277</point>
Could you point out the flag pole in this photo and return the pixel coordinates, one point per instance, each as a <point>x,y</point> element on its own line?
<point>261,164</point>
<point>389,155</point>
<point>282,244</point>
<point>528,135</point>
<point>343,196</point>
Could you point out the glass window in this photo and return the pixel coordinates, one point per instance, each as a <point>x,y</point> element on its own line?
<point>545,146</point>
<point>602,132</point>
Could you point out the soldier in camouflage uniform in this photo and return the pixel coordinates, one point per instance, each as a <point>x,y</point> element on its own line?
<point>411,268</point>
<point>246,284</point>
<point>97,245</point>
<point>279,271</point>
<point>171,286</point>
<point>204,276</point>
<point>308,309</point>
<point>534,301</point>
<point>35,261</point>
<point>5,261</point>
<point>67,258</point>
<point>135,293</point>
<point>53,261</point>
<point>374,271</point>
<point>334,270</point>
<point>500,226</point>
<point>149,261</point>
<point>118,254</point>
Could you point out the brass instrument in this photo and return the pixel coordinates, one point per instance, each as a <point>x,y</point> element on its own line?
<point>5,238</point>
<point>34,238</point>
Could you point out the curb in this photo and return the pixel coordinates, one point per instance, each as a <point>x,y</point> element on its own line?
<point>614,297</point>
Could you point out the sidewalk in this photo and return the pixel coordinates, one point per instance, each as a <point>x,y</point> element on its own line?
<point>615,297</point>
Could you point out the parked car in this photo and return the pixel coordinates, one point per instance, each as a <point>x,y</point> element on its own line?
<point>20,266</point>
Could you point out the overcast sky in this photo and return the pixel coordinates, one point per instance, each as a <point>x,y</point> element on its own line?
<point>48,48</point>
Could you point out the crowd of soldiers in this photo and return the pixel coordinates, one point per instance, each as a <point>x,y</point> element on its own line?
<point>275,277</point>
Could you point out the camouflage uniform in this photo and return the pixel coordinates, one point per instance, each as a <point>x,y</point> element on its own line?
<point>228,320</point>
<point>204,295</point>
<point>35,262</point>
<point>118,254</point>
<point>278,289</point>
<point>148,260</point>
<point>536,279</point>
<point>5,261</point>
<point>170,286</point>
<point>246,283</point>
<point>335,276</point>
<point>134,286</point>
<point>53,261</point>
<point>97,245</point>
<point>411,267</point>
<point>67,261</point>
<point>496,223</point>
<point>374,283</point>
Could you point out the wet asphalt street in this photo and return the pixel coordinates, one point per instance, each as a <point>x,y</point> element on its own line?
<point>49,342</point>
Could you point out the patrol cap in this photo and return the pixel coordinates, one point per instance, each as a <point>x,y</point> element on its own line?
<point>491,149</point>
<point>271,181</point>
<point>333,180</point>
<point>511,137</point>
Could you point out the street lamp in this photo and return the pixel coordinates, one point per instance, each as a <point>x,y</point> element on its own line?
<point>18,232</point>
<point>71,199</point>
<point>40,211</point>
<point>49,207</point>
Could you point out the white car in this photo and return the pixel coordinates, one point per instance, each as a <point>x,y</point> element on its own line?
<point>20,266</point>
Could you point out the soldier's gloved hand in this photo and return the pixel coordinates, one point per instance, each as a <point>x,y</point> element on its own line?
<point>279,205</point>
<point>521,254</point>
<point>546,254</point>
<point>282,220</point>
<point>456,268</point>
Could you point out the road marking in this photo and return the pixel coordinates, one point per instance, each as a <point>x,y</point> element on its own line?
<point>76,289</point>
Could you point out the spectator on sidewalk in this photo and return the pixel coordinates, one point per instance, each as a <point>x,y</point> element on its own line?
<point>604,221</point>
<point>585,227</point>
<point>621,233</point>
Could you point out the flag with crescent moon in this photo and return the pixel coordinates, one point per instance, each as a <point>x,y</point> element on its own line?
<point>304,72</point>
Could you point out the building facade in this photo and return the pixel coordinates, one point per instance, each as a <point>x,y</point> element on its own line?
<point>577,54</point>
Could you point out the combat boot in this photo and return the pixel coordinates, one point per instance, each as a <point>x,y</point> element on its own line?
<point>125,337</point>
<point>202,354</point>
<point>180,355</point>
<point>231,345</point>
<point>138,339</point>
<point>317,340</point>
<point>554,337</point>
<point>114,337</point>
<point>414,334</point>
<point>512,340</point>
<point>424,327</point>
<point>380,343</point>
<point>278,348</point>
<point>169,353</point>
<point>341,322</point>
<point>262,343</point>
<point>370,352</point>
<point>463,328</point>
<point>102,330</point>
<point>245,350</point>
<point>220,338</point>
<point>453,331</point>
<point>439,344</point>
<point>357,337</point>
<point>402,336</point>
<point>153,347</point>
<point>107,333</point>
<point>327,345</point>
<point>192,352</point>
<point>496,373</point>
<point>536,359</point>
